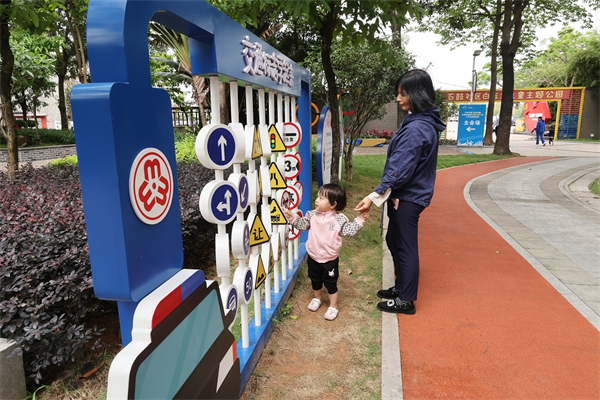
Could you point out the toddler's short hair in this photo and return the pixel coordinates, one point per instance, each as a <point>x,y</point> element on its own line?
<point>335,194</point>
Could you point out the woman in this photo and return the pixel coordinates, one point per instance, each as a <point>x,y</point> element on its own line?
<point>407,185</point>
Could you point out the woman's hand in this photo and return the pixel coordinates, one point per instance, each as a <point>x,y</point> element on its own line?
<point>364,206</point>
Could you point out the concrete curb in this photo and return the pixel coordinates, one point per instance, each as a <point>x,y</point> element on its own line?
<point>391,363</point>
<point>12,374</point>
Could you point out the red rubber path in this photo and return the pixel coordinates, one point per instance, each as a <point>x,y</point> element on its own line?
<point>488,326</point>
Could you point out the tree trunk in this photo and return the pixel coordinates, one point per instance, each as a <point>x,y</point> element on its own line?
<point>61,58</point>
<point>72,21</point>
<point>200,92</point>
<point>513,22</point>
<point>327,39</point>
<point>6,70</point>
<point>37,129</point>
<point>488,138</point>
<point>225,108</point>
<point>24,109</point>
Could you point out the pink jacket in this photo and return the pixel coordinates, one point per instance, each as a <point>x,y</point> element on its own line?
<point>326,231</point>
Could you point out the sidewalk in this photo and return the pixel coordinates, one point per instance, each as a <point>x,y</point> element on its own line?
<point>509,298</point>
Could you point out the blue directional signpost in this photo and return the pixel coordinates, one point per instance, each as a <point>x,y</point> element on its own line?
<point>471,124</point>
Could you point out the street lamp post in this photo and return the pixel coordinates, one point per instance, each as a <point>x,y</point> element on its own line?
<point>474,75</point>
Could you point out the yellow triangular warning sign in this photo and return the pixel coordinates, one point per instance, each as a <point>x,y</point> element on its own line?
<point>275,141</point>
<point>258,233</point>
<point>277,217</point>
<point>277,179</point>
<point>271,259</point>
<point>256,144</point>
<point>261,276</point>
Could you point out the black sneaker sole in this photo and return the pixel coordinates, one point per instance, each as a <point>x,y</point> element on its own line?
<point>410,311</point>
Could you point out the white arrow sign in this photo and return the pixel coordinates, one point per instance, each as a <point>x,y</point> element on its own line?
<point>225,204</point>
<point>222,143</point>
<point>469,129</point>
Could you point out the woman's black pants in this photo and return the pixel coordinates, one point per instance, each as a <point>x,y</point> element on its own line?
<point>403,242</point>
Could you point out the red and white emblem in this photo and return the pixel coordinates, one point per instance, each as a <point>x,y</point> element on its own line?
<point>151,186</point>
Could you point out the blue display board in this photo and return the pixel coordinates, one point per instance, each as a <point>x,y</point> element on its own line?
<point>471,124</point>
<point>324,147</point>
<point>127,166</point>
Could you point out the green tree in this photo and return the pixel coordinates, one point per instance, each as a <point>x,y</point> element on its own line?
<point>179,43</point>
<point>31,15</point>
<point>462,21</point>
<point>571,59</point>
<point>353,22</point>
<point>366,81</point>
<point>34,66</point>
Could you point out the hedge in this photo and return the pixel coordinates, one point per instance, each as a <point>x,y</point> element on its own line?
<point>46,288</point>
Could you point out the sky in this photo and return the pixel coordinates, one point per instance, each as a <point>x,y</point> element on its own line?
<point>451,69</point>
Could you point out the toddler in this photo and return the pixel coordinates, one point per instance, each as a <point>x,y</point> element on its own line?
<point>327,227</point>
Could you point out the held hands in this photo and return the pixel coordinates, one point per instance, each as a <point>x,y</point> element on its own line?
<point>364,215</point>
<point>364,206</point>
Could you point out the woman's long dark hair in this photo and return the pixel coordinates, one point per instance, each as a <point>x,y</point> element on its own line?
<point>417,85</point>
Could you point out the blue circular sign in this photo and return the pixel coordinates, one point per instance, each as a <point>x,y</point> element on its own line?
<point>221,146</point>
<point>248,280</point>
<point>246,239</point>
<point>244,192</point>
<point>224,202</point>
<point>232,301</point>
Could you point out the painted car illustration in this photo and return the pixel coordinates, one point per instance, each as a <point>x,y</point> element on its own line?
<point>181,346</point>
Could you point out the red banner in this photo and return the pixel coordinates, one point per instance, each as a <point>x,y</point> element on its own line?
<point>541,94</point>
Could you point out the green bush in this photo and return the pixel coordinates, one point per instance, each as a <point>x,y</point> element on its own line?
<point>47,136</point>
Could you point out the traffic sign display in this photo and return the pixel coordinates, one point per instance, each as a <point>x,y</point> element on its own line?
<point>216,146</point>
<point>292,134</point>
<point>266,253</point>
<point>277,217</point>
<point>258,270</point>
<point>244,280</point>
<point>240,239</point>
<point>258,232</point>
<point>253,188</point>
<point>277,180</point>
<point>292,166</point>
<point>257,150</point>
<point>294,197</point>
<point>283,198</point>
<point>219,202</point>
<point>293,232</point>
<point>229,297</point>
<point>241,181</point>
<point>275,141</point>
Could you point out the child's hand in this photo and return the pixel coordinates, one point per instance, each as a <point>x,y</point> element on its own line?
<point>288,214</point>
<point>364,216</point>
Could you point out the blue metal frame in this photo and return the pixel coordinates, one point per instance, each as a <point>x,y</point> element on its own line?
<point>120,114</point>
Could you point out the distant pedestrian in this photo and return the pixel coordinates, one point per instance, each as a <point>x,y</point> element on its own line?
<point>327,227</point>
<point>540,128</point>
<point>407,186</point>
<point>551,131</point>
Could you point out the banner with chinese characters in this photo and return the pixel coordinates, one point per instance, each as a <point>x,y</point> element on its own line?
<point>483,95</point>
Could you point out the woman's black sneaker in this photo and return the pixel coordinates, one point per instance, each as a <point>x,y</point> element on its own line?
<point>397,306</point>
<point>390,293</point>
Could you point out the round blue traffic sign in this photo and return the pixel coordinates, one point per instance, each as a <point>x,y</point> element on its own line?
<point>216,146</point>
<point>219,201</point>
<point>248,280</point>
